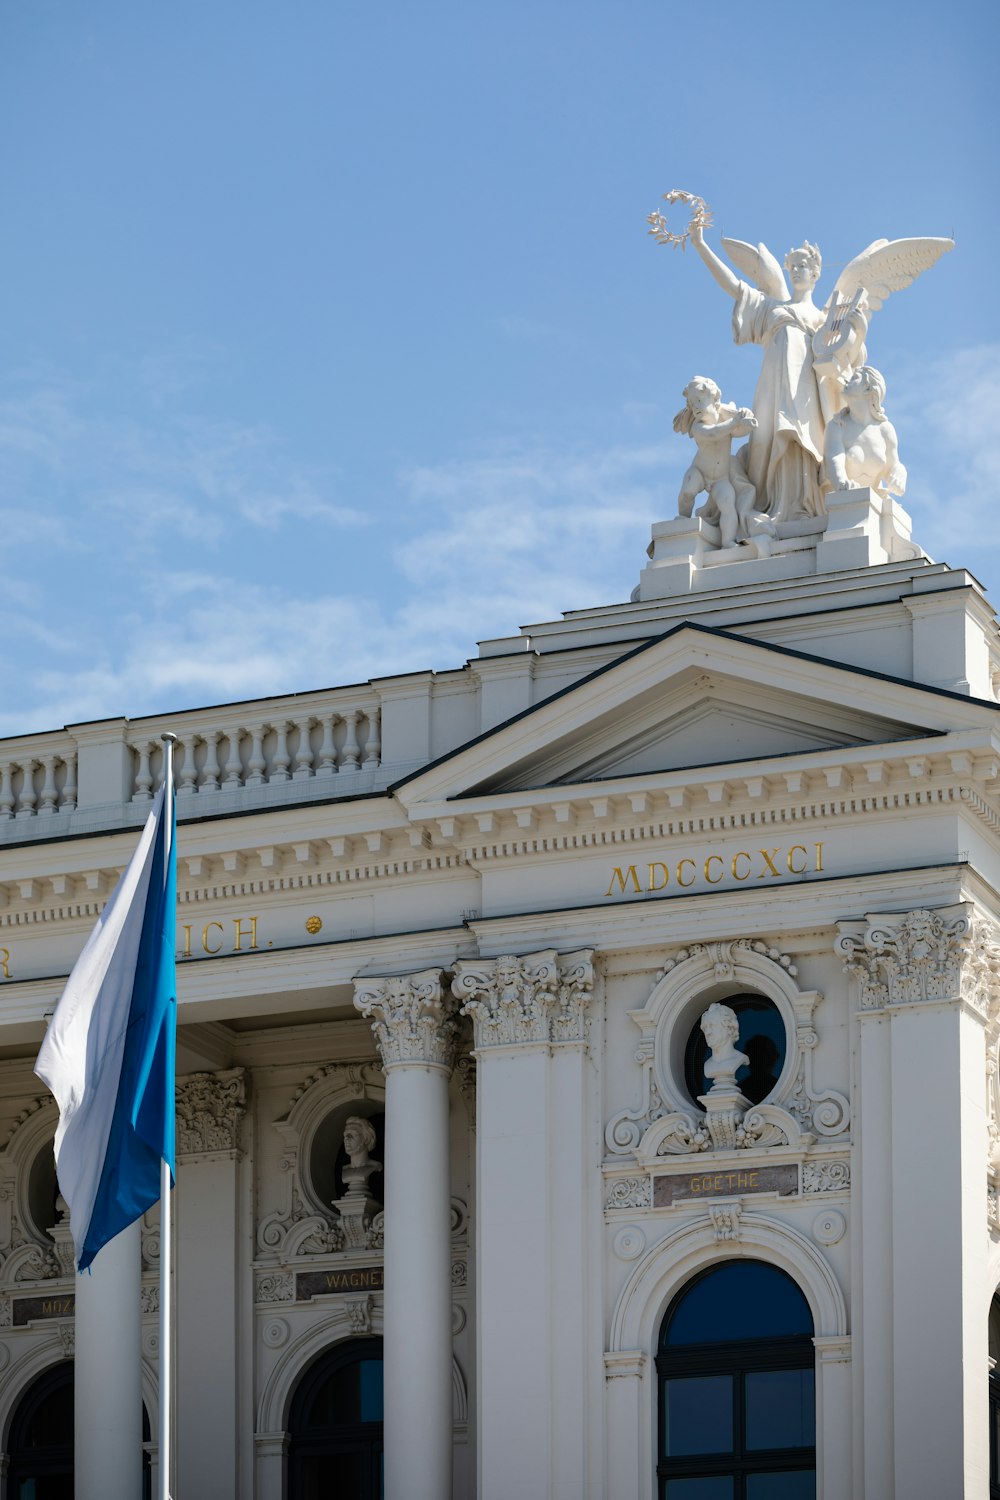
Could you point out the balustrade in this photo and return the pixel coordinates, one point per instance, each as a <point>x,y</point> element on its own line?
<point>37,785</point>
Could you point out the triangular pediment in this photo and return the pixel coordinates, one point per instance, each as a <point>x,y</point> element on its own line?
<point>694,697</point>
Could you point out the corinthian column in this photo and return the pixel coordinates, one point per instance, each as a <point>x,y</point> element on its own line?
<point>414,1025</point>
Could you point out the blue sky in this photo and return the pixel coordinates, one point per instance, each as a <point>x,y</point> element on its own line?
<point>332,340</point>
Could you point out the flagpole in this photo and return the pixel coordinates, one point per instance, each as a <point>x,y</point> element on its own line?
<point>164,1424</point>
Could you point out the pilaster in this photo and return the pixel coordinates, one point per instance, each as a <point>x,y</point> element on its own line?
<point>925,983</point>
<point>537,1338</point>
<point>210,1112</point>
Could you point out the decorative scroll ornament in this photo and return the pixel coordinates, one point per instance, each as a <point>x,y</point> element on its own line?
<point>701,218</point>
<point>542,997</point>
<point>630,1192</point>
<point>277,1287</point>
<point>826,1176</point>
<point>210,1108</point>
<point>907,959</point>
<point>414,1020</point>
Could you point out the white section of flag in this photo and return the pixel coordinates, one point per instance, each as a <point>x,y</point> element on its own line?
<point>81,1056</point>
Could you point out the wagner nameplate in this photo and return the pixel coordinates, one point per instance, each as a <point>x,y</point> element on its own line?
<point>729,1184</point>
<point>38,1309</point>
<point>309,1284</point>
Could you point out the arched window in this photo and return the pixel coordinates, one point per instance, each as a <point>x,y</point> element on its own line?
<point>336,1424</point>
<point>41,1440</point>
<point>737,1400</point>
<point>994,1335</point>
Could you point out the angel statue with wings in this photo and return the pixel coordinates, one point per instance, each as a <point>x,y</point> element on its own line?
<point>810,353</point>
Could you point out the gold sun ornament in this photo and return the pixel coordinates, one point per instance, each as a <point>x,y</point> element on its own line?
<point>313,924</point>
<point>701,218</point>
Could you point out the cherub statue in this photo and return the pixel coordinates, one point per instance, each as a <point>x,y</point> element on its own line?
<point>722,1030</point>
<point>860,446</point>
<point>797,394</point>
<point>713,425</point>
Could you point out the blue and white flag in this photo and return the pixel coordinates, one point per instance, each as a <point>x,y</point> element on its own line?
<point>108,1055</point>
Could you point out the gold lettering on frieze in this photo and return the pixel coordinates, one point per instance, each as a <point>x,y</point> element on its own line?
<point>746,864</point>
<point>5,962</point>
<point>214,938</point>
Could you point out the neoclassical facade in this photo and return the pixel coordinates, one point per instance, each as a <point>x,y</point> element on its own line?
<point>588,1056</point>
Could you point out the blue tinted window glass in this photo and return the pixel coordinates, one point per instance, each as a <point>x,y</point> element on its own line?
<point>698,1415</point>
<point>780,1409</point>
<point>739,1300</point>
<point>371,1390</point>
<point>800,1485</point>
<point>700,1489</point>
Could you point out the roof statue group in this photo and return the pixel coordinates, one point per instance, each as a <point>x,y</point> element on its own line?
<point>818,422</point>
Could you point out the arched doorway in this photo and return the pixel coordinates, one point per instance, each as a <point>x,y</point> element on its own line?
<point>737,1397</point>
<point>41,1440</point>
<point>335,1425</point>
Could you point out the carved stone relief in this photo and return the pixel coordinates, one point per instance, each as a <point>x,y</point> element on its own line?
<point>664,1122</point>
<point>907,958</point>
<point>412,1017</point>
<point>541,997</point>
<point>210,1109</point>
<point>303,1226</point>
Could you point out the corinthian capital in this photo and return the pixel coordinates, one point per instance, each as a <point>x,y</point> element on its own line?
<point>210,1107</point>
<point>905,958</point>
<point>542,997</point>
<point>412,1017</point>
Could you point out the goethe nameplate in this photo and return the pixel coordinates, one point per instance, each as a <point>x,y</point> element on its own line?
<point>731,1183</point>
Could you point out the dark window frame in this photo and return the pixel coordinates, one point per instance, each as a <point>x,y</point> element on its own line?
<point>344,1437</point>
<point>736,1358</point>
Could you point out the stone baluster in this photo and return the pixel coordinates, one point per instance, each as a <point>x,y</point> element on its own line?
<point>327,750</point>
<point>281,757</point>
<point>414,1026</point>
<point>257,764</point>
<point>234,765</point>
<point>49,792</point>
<point>304,755</point>
<point>144,776</point>
<point>6,791</point>
<point>26,797</point>
<point>185,772</point>
<point>69,786</point>
<point>351,753</point>
<point>373,747</point>
<point>210,770</point>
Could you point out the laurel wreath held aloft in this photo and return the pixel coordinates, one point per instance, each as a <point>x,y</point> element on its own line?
<point>701,218</point>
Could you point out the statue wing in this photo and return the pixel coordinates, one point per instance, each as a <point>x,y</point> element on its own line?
<point>889,265</point>
<point>759,266</point>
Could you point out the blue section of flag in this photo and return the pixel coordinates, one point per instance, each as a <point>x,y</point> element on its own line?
<point>142,1125</point>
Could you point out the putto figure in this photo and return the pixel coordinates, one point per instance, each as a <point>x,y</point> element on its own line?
<point>713,425</point>
<point>802,378</point>
<point>861,446</point>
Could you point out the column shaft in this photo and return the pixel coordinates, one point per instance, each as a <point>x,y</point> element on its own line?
<point>417,1315</point>
<point>107,1448</point>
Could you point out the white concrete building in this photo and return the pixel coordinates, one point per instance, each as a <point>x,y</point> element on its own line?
<point>485,911</point>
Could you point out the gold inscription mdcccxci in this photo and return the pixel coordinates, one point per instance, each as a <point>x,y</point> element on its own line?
<point>746,864</point>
